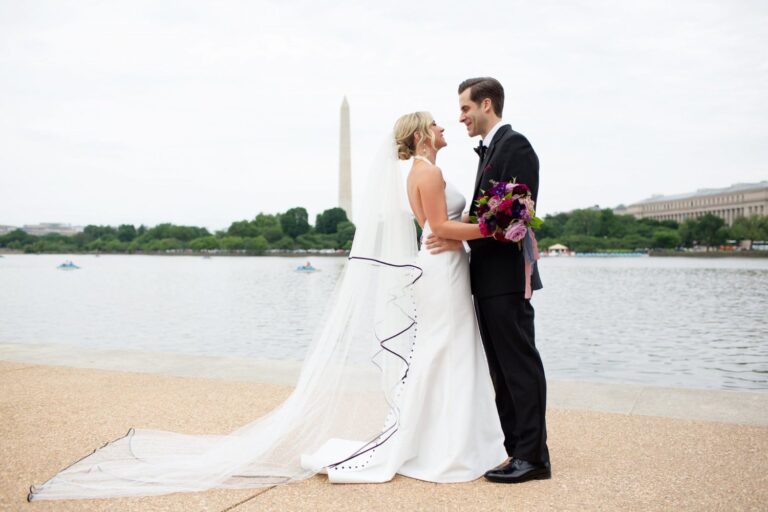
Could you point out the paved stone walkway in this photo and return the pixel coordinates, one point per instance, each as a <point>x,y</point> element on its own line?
<point>613,447</point>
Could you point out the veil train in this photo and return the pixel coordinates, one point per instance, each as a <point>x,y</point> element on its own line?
<point>346,389</point>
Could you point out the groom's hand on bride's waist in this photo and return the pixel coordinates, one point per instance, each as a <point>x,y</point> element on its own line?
<point>436,245</point>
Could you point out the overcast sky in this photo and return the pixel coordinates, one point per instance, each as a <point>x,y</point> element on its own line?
<point>207,112</point>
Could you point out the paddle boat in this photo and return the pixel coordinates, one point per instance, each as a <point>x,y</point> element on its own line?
<point>307,267</point>
<point>68,265</point>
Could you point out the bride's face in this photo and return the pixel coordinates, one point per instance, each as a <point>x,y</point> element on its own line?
<point>437,131</point>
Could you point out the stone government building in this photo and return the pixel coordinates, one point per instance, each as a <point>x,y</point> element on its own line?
<point>730,203</point>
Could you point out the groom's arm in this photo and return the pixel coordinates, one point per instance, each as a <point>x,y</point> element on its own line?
<point>519,160</point>
<point>436,245</point>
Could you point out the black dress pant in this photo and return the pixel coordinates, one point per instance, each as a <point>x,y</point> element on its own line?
<point>506,327</point>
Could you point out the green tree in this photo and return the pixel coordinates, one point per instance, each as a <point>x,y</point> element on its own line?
<point>243,228</point>
<point>17,237</point>
<point>345,233</point>
<point>284,244</point>
<point>309,241</point>
<point>93,232</point>
<point>97,245</point>
<point>264,221</point>
<point>665,239</point>
<point>256,245</point>
<point>584,222</point>
<point>164,245</point>
<point>553,226</point>
<point>294,222</point>
<point>126,232</point>
<point>115,246</point>
<point>687,231</point>
<point>167,230</point>
<point>748,228</point>
<point>273,233</point>
<point>635,242</point>
<point>232,243</point>
<point>709,230</point>
<point>328,221</point>
<point>205,243</point>
<point>583,243</point>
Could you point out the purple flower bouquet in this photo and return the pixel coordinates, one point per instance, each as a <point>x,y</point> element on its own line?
<point>506,211</point>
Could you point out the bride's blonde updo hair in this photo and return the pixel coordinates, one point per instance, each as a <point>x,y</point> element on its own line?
<point>407,127</point>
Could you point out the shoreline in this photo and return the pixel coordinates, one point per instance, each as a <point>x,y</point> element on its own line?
<point>708,254</point>
<point>744,407</point>
<point>282,254</point>
<point>345,254</point>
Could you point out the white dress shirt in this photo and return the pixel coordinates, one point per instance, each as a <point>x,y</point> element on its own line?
<point>489,138</point>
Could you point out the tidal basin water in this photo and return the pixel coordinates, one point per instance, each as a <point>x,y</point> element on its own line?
<point>663,321</point>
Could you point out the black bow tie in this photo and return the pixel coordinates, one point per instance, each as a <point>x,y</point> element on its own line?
<point>480,150</point>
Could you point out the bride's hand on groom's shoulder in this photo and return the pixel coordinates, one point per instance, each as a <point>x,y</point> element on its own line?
<point>436,245</point>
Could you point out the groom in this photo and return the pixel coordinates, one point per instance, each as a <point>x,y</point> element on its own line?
<point>497,276</point>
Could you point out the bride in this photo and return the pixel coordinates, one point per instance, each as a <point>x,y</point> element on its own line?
<point>395,382</point>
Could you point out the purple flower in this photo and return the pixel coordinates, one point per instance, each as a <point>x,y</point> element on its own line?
<point>516,208</point>
<point>515,232</point>
<point>498,189</point>
<point>522,189</point>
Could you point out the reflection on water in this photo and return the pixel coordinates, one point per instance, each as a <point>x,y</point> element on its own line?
<point>666,321</point>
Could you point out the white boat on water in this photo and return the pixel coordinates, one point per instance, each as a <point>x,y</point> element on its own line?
<point>68,265</point>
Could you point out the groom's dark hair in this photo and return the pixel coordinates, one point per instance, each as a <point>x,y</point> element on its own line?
<point>485,87</point>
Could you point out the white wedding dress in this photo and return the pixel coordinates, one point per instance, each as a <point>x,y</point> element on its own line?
<point>395,381</point>
<point>449,429</point>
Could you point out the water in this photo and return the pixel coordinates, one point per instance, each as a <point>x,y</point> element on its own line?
<point>687,322</point>
<point>662,321</point>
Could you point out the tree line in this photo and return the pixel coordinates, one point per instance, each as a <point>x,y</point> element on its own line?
<point>595,230</point>
<point>283,232</point>
<point>586,230</point>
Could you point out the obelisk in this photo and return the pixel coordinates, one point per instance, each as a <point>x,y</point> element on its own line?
<point>345,162</point>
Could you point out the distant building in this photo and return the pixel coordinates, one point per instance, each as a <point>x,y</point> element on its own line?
<point>730,203</point>
<point>46,228</point>
<point>621,210</point>
<point>7,229</point>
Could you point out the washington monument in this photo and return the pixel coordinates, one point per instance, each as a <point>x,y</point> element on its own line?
<point>345,162</point>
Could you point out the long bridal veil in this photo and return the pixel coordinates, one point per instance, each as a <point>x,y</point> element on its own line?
<point>346,389</point>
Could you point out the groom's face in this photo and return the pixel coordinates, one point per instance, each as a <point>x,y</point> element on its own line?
<point>471,114</point>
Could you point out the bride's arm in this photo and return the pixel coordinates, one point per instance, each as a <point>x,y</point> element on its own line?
<point>431,189</point>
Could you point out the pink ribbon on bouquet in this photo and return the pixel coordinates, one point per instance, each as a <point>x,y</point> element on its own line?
<point>531,254</point>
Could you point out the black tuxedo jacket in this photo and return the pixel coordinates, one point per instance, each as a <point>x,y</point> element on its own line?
<point>498,268</point>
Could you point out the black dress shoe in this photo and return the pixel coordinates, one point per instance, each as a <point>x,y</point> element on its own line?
<point>518,471</point>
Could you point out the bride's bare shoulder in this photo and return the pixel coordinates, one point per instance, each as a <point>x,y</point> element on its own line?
<point>425,172</point>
